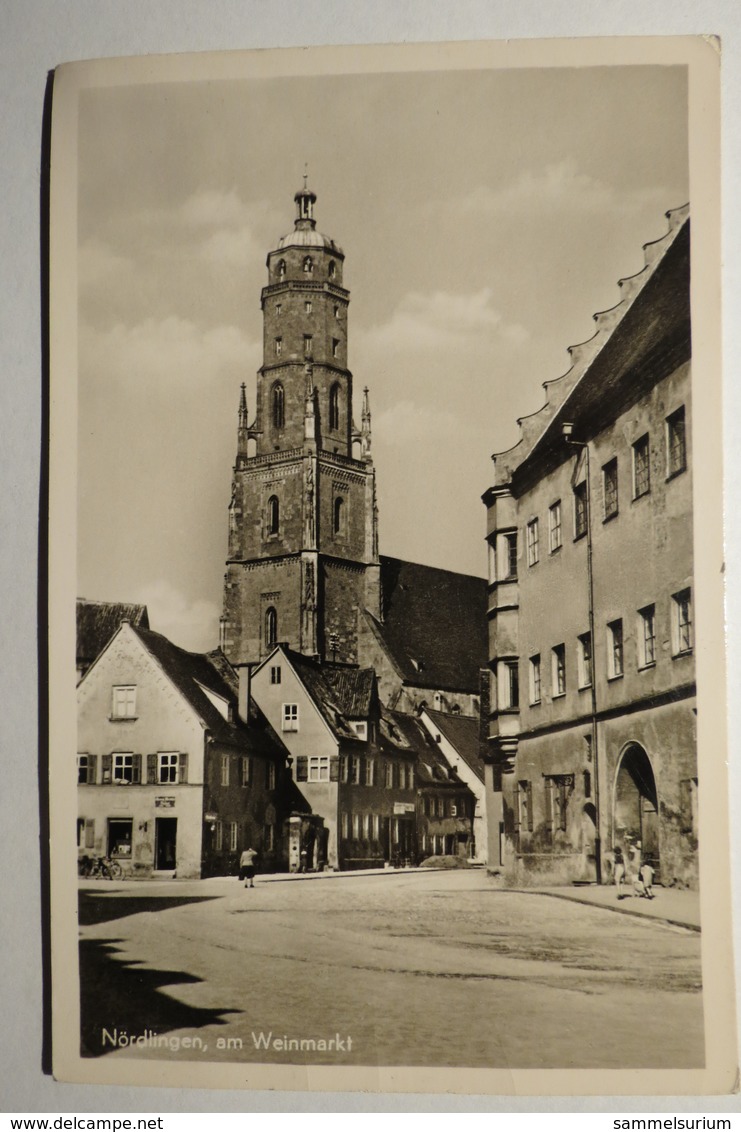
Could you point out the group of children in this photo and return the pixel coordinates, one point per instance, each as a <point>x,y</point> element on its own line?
<point>638,872</point>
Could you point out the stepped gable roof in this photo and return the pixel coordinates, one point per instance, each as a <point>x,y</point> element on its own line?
<point>462,732</point>
<point>653,307</point>
<point>191,672</point>
<point>402,732</point>
<point>434,625</point>
<point>326,698</point>
<point>97,621</point>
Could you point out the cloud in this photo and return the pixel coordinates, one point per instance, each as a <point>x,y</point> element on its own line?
<point>162,353</point>
<point>191,624</point>
<point>443,320</point>
<point>559,187</point>
<point>98,265</point>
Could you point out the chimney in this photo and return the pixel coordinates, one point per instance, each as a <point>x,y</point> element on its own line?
<point>243,701</point>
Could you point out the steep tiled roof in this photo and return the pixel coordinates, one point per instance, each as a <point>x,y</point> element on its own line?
<point>353,689</point>
<point>434,625</point>
<point>328,700</point>
<point>431,767</point>
<point>463,733</point>
<point>97,621</point>
<point>190,672</point>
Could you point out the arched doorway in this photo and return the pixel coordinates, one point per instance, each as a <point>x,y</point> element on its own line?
<point>636,813</point>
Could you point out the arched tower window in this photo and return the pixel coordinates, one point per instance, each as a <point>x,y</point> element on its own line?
<point>332,269</point>
<point>339,515</point>
<point>282,268</point>
<point>334,406</point>
<point>273,515</point>
<point>271,627</point>
<point>279,405</point>
<point>308,265</point>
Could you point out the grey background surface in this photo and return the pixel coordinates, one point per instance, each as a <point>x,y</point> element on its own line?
<point>37,35</point>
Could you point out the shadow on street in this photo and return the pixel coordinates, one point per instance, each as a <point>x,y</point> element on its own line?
<point>95,907</point>
<point>116,994</point>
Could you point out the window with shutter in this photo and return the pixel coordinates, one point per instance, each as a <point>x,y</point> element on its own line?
<point>106,764</point>
<point>302,768</point>
<point>151,769</point>
<point>183,767</point>
<point>89,833</point>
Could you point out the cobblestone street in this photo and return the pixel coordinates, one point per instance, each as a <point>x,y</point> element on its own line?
<point>415,968</point>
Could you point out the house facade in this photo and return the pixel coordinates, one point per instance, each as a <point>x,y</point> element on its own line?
<point>354,770</point>
<point>171,780</point>
<point>591,736</point>
<point>458,738</point>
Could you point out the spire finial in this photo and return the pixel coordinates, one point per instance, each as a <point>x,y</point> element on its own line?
<point>306,175</point>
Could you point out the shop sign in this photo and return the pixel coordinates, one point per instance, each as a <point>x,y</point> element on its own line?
<point>163,802</point>
<point>404,807</point>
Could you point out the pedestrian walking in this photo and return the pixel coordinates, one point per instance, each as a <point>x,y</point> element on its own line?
<point>247,867</point>
<point>619,870</point>
<point>635,869</point>
<point>647,876</point>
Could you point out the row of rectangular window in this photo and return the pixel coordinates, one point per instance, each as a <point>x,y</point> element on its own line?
<point>437,807</point>
<point>308,308</point>
<point>676,462</point>
<point>231,841</point>
<point>646,640</point>
<point>166,768</point>
<point>357,770</point>
<point>308,346</point>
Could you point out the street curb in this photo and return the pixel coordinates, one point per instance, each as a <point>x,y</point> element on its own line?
<point>608,908</point>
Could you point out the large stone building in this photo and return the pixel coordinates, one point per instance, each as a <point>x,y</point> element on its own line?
<point>592,707</point>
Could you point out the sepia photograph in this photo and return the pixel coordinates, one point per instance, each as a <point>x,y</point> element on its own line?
<point>386,623</point>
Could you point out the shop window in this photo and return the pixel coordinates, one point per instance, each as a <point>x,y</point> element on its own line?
<point>120,833</point>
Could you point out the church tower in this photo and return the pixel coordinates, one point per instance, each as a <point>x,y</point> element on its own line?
<point>303,521</point>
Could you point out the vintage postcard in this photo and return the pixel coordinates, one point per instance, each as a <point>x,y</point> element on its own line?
<point>386,705</point>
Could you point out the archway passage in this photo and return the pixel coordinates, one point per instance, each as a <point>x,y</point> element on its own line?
<point>637,804</point>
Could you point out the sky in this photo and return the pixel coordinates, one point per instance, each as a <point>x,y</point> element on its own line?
<point>485,216</point>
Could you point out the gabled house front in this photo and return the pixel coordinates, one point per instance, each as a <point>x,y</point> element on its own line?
<point>177,773</point>
<point>344,761</point>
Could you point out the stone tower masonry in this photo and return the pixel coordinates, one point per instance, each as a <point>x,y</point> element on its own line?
<point>303,521</point>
